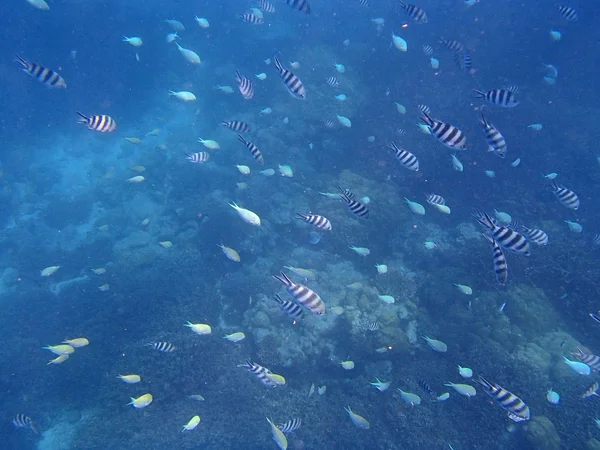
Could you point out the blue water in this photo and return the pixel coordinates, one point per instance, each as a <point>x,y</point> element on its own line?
<point>65,201</point>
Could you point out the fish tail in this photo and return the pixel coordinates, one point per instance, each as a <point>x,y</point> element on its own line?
<point>84,118</point>
<point>277,63</point>
<point>478,93</point>
<point>241,139</point>
<point>426,119</point>
<point>24,64</point>
<point>300,216</point>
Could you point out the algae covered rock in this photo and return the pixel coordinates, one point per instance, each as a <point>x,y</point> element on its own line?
<point>542,435</point>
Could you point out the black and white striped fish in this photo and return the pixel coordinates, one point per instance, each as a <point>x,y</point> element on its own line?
<point>165,347</point>
<point>506,237</point>
<point>266,6</point>
<point>428,50</point>
<point>251,18</point>
<point>406,158</point>
<point>565,196</point>
<point>534,235</point>
<point>236,125</point>
<point>434,199</point>
<point>500,97</point>
<point>596,239</point>
<point>254,151</point>
<point>262,373</point>
<point>349,194</point>
<point>101,122</point>
<point>496,142</point>
<point>452,45</point>
<point>356,207</point>
<point>364,3</point>
<point>45,76</point>
<point>303,295</point>
<point>425,386</point>
<point>591,391</point>
<point>318,221</point>
<point>500,264</point>
<point>332,81</point>
<point>23,421</point>
<point>199,157</point>
<point>244,85</point>
<point>300,5</point>
<point>588,358</point>
<point>292,82</point>
<point>569,13</point>
<point>290,425</point>
<point>372,326</point>
<point>446,134</point>
<point>423,108</point>
<point>292,309</point>
<point>414,12</point>
<point>517,410</point>
<point>329,123</point>
<point>463,60</point>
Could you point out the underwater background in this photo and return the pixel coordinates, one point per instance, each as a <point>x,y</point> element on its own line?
<point>114,236</point>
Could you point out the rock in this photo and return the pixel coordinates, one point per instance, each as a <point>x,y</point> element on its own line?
<point>542,435</point>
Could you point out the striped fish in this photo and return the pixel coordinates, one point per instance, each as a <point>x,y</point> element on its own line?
<point>292,309</point>
<point>101,123</point>
<point>332,81</point>
<point>446,134</point>
<point>356,207</point>
<point>425,386</point>
<point>266,6</point>
<point>596,239</point>
<point>23,421</point>
<point>595,316</point>
<point>534,235</point>
<point>292,82</point>
<point>300,5</point>
<point>329,123</point>
<point>463,60</point>
<point>251,18</point>
<point>565,196</point>
<point>452,45</point>
<point>40,73</point>
<point>290,425</point>
<point>428,50</point>
<point>506,237</point>
<point>517,410</point>
<point>500,97</point>
<point>496,143</point>
<point>254,151</point>
<point>434,199</point>
<point>165,347</point>
<point>199,157</point>
<point>244,85</point>
<point>364,3</point>
<point>262,373</point>
<point>349,194</point>
<point>414,12</point>
<point>569,13</point>
<point>591,391</point>
<point>318,221</point>
<point>588,358</point>
<point>423,108</point>
<point>236,125</point>
<point>406,158</point>
<point>500,264</point>
<point>373,326</point>
<point>303,295</point>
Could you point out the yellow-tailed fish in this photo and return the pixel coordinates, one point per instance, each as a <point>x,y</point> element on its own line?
<point>77,342</point>
<point>278,435</point>
<point>130,379</point>
<point>193,423</point>
<point>141,402</point>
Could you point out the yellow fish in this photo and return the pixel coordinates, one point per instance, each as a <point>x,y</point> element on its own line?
<point>278,435</point>
<point>198,397</point>
<point>62,349</point>
<point>130,379</point>
<point>193,423</point>
<point>279,380</point>
<point>235,337</point>
<point>49,271</point>
<point>166,244</point>
<point>199,328</point>
<point>99,271</point>
<point>105,287</point>
<point>230,253</point>
<point>133,140</point>
<point>141,402</point>
<point>77,342</point>
<point>138,169</point>
<point>58,359</point>
<point>154,132</point>
<point>137,179</point>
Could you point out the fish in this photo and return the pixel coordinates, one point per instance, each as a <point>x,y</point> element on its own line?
<point>434,199</point>
<point>568,13</point>
<point>235,337</point>
<point>198,157</point>
<point>251,18</point>
<point>236,125</point>
<point>48,271</point>
<point>406,158</point>
<point>245,85</point>
<point>247,216</point>
<point>414,12</point>
<point>357,420</point>
<point>534,235</point>
<point>381,386</point>
<point>591,391</point>
<point>290,425</point>
<point>517,410</point>
<point>197,397</point>
<point>565,196</point>
<point>193,423</point>
<point>505,236</point>
<point>199,328</point>
<point>425,386</point>
<point>303,295</point>
<point>423,108</point>
<point>185,96</point>
<point>45,76</point>
<point>209,144</point>
<point>260,372</point>
<point>266,6</point>
<point>452,45</point>
<point>494,138</point>
<point>130,379</point>
<point>254,150</point>
<point>463,60</point>
<point>499,97</point>
<point>293,84</point>
<point>23,421</point>
<point>189,55</point>
<point>141,402</point>
<point>299,5</point>
<point>77,342</point>
<point>231,254</point>
<point>61,349</point>
<point>307,274</point>
<point>39,4</point>
<point>58,360</point>
<point>101,123</point>
<point>332,81</point>
<point>355,206</point>
<point>329,123</point>
<point>318,221</point>
<point>278,436</point>
<point>165,347</point>
<point>409,398</point>
<point>372,326</point>
<point>588,358</point>
<point>427,49</point>
<point>446,134</point>
<point>176,25</point>
<point>500,264</point>
<point>292,309</point>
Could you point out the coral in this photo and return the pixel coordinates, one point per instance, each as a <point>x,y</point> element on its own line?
<point>541,434</point>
